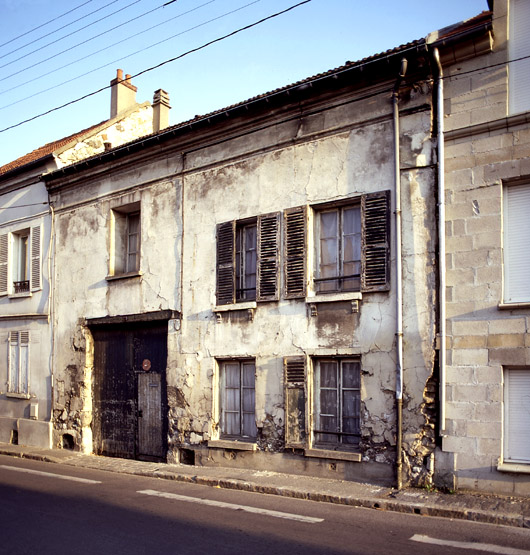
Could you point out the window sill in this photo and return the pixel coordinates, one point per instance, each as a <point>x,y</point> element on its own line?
<point>20,295</point>
<point>337,455</point>
<point>18,395</point>
<point>232,444</point>
<point>512,306</point>
<point>334,297</point>
<point>520,468</point>
<point>249,305</point>
<point>128,275</point>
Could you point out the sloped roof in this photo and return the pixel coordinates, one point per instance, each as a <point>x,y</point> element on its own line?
<point>45,150</point>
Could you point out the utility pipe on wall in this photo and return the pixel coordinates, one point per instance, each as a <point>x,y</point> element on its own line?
<point>441,234</point>
<point>399,287</point>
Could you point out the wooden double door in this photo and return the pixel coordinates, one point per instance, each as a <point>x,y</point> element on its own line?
<point>129,391</point>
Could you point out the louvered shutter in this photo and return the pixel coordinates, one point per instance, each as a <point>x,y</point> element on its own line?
<point>13,362</point>
<point>516,411</point>
<point>225,282</point>
<point>375,274</point>
<point>516,226</point>
<point>23,383</point>
<point>268,257</point>
<point>295,400</point>
<point>3,264</point>
<point>519,50</point>
<point>294,251</point>
<point>36,279</point>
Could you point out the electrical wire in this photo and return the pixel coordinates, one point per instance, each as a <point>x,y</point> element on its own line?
<point>205,45</point>
<point>75,62</point>
<point>44,24</point>
<point>76,45</point>
<point>56,30</point>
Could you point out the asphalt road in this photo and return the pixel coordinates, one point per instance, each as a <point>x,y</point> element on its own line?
<point>48,508</point>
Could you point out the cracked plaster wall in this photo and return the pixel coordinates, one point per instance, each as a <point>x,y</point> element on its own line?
<point>352,161</point>
<point>82,290</point>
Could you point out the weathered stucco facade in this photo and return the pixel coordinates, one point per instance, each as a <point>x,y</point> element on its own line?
<point>487,156</point>
<point>27,336</point>
<point>272,168</point>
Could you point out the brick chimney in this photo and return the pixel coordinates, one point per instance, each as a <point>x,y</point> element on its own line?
<point>122,94</point>
<point>161,109</point>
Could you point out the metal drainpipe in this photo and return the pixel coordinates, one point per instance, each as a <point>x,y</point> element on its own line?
<point>399,291</point>
<point>441,234</point>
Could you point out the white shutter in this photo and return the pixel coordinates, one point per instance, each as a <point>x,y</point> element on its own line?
<point>3,264</point>
<point>516,239</point>
<point>36,281</point>
<point>517,416</point>
<point>519,72</point>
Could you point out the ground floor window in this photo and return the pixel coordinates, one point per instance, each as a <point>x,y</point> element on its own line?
<point>517,415</point>
<point>237,399</point>
<point>337,403</point>
<point>18,363</point>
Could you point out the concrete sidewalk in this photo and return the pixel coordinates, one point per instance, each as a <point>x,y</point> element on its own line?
<point>508,511</point>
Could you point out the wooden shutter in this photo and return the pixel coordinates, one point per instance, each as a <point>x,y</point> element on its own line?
<point>36,279</point>
<point>516,421</point>
<point>3,264</point>
<point>268,257</point>
<point>375,238</point>
<point>225,282</point>
<point>295,400</point>
<point>295,252</point>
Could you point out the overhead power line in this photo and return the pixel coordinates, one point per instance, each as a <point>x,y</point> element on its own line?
<point>56,31</point>
<point>205,45</point>
<point>76,45</point>
<point>46,23</point>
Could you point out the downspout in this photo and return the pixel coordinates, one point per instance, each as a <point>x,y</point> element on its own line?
<point>399,287</point>
<point>441,235</point>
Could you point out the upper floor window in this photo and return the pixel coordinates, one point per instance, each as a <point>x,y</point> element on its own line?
<point>246,258</point>
<point>125,240</point>
<point>20,261</point>
<point>519,54</point>
<point>516,225</point>
<point>339,249</point>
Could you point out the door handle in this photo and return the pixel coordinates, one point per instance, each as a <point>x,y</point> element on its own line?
<point>140,414</point>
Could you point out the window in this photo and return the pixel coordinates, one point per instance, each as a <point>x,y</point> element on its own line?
<point>20,261</point>
<point>337,403</point>
<point>519,47</point>
<point>517,415</point>
<point>248,260</point>
<point>125,240</point>
<point>18,363</point>
<point>352,245</point>
<point>237,404</point>
<point>339,249</point>
<point>516,233</point>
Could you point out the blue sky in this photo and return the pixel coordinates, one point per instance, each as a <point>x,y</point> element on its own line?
<point>314,37</point>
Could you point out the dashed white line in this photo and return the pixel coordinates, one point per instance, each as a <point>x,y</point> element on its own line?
<point>50,475</point>
<point>233,506</point>
<point>491,548</point>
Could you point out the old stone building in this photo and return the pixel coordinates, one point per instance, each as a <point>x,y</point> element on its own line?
<point>485,415</point>
<point>27,262</point>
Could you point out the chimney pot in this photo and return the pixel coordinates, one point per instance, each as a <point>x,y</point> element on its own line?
<point>161,109</point>
<point>122,94</point>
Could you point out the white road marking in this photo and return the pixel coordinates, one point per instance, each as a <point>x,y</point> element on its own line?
<point>491,548</point>
<point>235,507</point>
<point>50,475</point>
